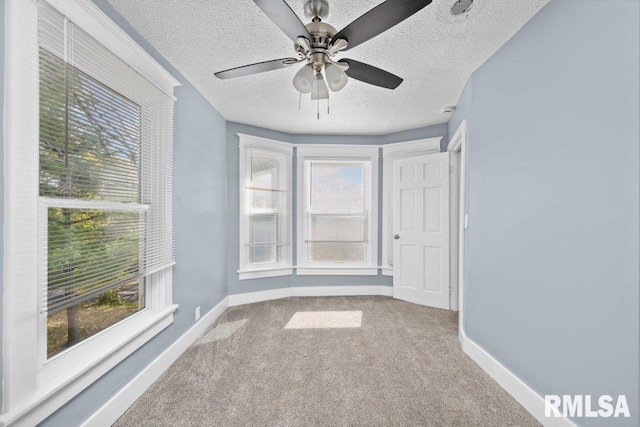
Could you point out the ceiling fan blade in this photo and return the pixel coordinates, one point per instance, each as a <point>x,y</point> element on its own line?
<point>259,67</point>
<point>285,18</point>
<point>378,20</point>
<point>370,74</point>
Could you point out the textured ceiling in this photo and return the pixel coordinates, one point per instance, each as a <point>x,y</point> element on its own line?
<point>433,51</point>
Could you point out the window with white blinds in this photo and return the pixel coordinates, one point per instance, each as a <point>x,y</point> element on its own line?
<point>105,168</point>
<point>337,210</point>
<point>88,214</point>
<point>265,203</point>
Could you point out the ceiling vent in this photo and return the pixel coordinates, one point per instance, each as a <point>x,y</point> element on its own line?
<point>461,6</point>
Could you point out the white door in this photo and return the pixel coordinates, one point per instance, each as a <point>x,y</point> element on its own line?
<point>421,230</point>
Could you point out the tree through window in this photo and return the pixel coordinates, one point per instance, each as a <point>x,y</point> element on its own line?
<point>90,192</point>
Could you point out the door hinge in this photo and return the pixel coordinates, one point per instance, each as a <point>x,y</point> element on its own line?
<point>450,170</point>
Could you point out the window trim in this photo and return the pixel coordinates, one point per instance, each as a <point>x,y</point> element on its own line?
<point>31,392</point>
<point>97,24</point>
<point>337,152</point>
<point>391,152</point>
<point>285,266</point>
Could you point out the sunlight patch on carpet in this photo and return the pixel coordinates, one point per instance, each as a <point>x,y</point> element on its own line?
<point>325,320</point>
<point>222,331</point>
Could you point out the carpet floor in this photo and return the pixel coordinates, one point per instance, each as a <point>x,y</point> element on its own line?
<point>327,361</point>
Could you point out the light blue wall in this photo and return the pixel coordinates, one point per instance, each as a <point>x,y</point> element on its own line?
<point>463,109</point>
<point>242,286</point>
<point>553,161</point>
<point>200,194</point>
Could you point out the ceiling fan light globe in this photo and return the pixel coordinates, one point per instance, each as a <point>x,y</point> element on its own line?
<point>336,78</point>
<point>319,89</point>
<point>303,80</point>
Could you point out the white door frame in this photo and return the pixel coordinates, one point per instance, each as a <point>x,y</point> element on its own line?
<point>458,143</point>
<point>453,228</point>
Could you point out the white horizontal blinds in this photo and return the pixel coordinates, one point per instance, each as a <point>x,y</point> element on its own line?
<point>89,137</point>
<point>337,214</point>
<point>156,190</point>
<point>105,167</point>
<point>268,199</point>
<point>89,252</point>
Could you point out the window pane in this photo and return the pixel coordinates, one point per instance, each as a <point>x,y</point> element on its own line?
<point>337,252</point>
<point>264,229</point>
<point>337,187</point>
<point>68,327</point>
<point>263,238</point>
<point>337,228</point>
<point>264,172</point>
<point>264,199</point>
<point>89,136</point>
<point>263,254</point>
<point>90,251</point>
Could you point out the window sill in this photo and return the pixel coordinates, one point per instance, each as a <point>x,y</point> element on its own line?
<point>56,390</point>
<point>387,271</point>
<point>336,271</point>
<point>264,272</point>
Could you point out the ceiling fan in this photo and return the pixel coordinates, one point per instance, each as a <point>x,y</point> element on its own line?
<point>317,42</point>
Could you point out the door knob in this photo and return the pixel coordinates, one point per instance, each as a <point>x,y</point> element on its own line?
<point>397,236</point>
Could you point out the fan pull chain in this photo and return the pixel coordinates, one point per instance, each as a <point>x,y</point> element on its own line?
<point>300,101</point>
<point>327,106</point>
<point>318,108</point>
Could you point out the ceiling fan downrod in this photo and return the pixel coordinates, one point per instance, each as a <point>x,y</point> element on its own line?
<point>316,9</point>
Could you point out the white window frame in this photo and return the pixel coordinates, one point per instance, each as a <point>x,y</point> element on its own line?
<point>391,152</point>
<point>337,152</point>
<point>34,388</point>
<point>283,152</point>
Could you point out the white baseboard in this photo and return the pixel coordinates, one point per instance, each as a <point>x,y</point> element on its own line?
<point>309,291</point>
<point>251,297</point>
<point>118,404</point>
<point>529,399</point>
<point>333,291</point>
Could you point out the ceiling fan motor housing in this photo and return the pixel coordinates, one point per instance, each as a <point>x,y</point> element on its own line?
<point>321,35</point>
